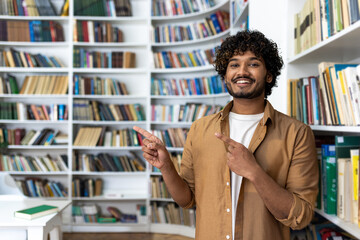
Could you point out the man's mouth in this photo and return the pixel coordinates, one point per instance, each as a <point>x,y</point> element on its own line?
<point>243,81</point>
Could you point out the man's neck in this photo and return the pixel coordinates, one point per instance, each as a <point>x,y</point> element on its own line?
<point>248,106</point>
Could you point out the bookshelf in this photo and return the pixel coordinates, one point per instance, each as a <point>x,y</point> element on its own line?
<point>124,190</point>
<point>341,47</point>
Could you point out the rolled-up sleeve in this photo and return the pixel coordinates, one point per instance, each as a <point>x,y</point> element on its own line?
<point>186,168</point>
<point>302,180</point>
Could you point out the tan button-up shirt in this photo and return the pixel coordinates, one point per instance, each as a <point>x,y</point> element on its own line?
<point>283,147</point>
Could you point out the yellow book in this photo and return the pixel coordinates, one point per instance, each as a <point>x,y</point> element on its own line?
<point>354,156</point>
<point>191,56</point>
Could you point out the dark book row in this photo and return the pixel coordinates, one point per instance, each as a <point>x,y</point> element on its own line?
<point>83,58</point>
<point>113,8</point>
<point>15,58</point>
<point>210,26</point>
<point>196,58</point>
<point>8,85</point>
<point>19,136</point>
<point>98,86</point>
<point>188,87</point>
<point>94,31</point>
<point>31,31</point>
<point>86,187</point>
<point>87,110</point>
<point>27,8</point>
<point>173,7</point>
<point>104,162</point>
<point>33,163</point>
<point>36,187</point>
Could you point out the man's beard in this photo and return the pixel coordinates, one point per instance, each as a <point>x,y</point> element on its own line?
<point>248,95</point>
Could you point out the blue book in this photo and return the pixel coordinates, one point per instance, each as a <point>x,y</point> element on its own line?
<point>215,22</point>
<point>197,86</point>
<point>76,85</point>
<point>61,111</point>
<point>315,100</point>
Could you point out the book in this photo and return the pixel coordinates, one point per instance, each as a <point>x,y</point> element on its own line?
<point>36,212</point>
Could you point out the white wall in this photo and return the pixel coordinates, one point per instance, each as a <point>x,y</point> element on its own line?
<point>270,17</point>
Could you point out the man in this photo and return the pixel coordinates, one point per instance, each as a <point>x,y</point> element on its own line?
<point>250,170</point>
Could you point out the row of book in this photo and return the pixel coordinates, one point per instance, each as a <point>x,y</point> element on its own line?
<point>99,136</point>
<point>319,20</point>
<point>110,8</point>
<point>86,110</point>
<point>332,98</point>
<point>27,8</point>
<point>176,158</point>
<point>19,136</point>
<point>36,187</point>
<point>340,178</point>
<point>170,59</point>
<point>95,31</point>
<point>8,85</point>
<point>104,162</point>
<point>91,59</point>
<point>21,111</point>
<point>181,7</point>
<point>98,86</point>
<point>214,24</point>
<point>94,214</point>
<point>170,213</point>
<point>31,31</point>
<point>15,58</point>
<point>237,8</point>
<point>188,112</point>
<point>158,188</point>
<point>86,187</point>
<point>45,84</point>
<point>172,137</point>
<point>33,163</point>
<point>188,86</point>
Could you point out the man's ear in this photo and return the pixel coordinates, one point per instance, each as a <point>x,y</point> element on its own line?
<point>269,78</point>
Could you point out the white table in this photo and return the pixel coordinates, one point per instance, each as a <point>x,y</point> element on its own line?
<point>37,229</point>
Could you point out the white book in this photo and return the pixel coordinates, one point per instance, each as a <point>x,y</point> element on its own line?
<point>91,31</point>
<point>32,140</point>
<point>162,218</point>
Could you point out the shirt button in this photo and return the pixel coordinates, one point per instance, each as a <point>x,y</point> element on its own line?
<point>227,236</point>
<point>228,210</point>
<point>227,183</point>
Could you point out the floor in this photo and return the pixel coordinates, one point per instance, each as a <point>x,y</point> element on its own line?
<point>122,236</point>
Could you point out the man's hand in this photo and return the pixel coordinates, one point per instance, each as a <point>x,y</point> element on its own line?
<point>154,149</point>
<point>240,160</point>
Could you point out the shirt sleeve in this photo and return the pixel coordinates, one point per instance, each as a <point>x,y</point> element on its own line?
<point>302,180</point>
<point>186,168</point>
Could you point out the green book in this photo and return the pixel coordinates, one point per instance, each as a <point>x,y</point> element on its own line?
<point>106,219</point>
<point>35,212</point>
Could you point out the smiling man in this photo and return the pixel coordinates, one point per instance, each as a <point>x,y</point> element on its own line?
<point>250,170</point>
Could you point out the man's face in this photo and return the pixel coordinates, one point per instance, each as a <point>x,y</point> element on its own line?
<point>246,76</point>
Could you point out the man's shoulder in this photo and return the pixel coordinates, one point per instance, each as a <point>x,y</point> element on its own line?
<point>282,120</point>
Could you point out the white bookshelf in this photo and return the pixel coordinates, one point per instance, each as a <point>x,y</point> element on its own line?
<point>342,47</point>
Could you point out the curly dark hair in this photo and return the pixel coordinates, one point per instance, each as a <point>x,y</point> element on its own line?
<point>255,42</point>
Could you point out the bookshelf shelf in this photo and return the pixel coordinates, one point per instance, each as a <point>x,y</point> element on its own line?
<point>140,174</point>
<point>109,227</point>
<point>350,129</point>
<point>34,70</point>
<point>343,45</point>
<point>106,148</point>
<point>110,45</point>
<point>222,4</point>
<point>347,226</point>
<point>172,229</point>
<point>30,18</point>
<point>243,15</point>
<point>198,41</point>
<point>182,70</point>
<point>35,44</point>
<point>34,96</point>
<point>110,70</point>
<point>33,122</point>
<point>111,19</point>
<point>143,198</point>
<point>174,149</point>
<point>109,122</point>
<point>173,124</point>
<point>32,147</point>
<point>15,173</point>
<point>189,97</point>
<point>162,200</point>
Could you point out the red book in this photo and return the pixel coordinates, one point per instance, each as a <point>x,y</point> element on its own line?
<point>220,20</point>
<point>309,104</point>
<point>52,31</point>
<point>85,31</point>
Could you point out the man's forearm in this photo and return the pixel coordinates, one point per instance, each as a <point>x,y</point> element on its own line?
<point>277,199</point>
<point>176,186</point>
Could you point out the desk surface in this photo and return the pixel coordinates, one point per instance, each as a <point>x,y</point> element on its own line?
<point>8,207</point>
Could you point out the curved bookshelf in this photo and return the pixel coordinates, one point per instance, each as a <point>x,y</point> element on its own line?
<point>35,44</point>
<point>34,70</point>
<point>117,97</point>
<point>54,18</point>
<point>110,70</point>
<point>110,45</point>
<point>190,97</point>
<point>131,148</point>
<point>111,19</point>
<point>196,41</point>
<point>183,70</point>
<point>109,122</point>
<point>34,122</point>
<point>191,15</point>
<point>36,96</point>
<point>242,16</point>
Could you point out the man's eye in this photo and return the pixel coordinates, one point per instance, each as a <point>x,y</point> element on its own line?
<point>254,64</point>
<point>234,65</point>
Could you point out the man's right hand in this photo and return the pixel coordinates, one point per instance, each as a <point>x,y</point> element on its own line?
<point>154,149</point>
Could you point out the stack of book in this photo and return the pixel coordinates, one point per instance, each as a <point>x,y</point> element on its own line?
<point>173,8</point>
<point>111,8</point>
<point>91,59</point>
<point>98,86</point>
<point>93,31</point>
<point>172,137</point>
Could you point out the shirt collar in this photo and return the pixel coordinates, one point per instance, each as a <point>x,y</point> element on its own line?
<point>268,112</point>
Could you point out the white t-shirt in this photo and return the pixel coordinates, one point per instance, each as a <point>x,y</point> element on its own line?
<point>242,128</point>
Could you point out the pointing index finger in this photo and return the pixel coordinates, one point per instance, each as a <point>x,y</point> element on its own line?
<point>226,139</point>
<point>142,132</point>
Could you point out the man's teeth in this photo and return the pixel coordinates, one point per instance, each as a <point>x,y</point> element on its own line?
<point>243,81</point>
